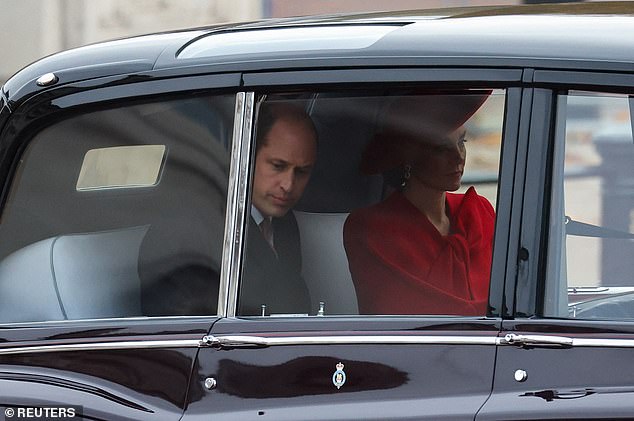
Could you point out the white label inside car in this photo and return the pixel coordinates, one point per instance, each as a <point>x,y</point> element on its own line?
<point>121,167</point>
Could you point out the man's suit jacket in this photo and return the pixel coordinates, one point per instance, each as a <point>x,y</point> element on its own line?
<point>274,281</point>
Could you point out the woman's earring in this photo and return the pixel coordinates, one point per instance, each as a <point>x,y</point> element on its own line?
<point>407,173</point>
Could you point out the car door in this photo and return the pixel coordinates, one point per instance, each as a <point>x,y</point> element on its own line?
<point>112,235</point>
<point>567,351</point>
<point>331,362</point>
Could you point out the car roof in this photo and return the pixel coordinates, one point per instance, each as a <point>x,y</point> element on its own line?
<point>587,35</point>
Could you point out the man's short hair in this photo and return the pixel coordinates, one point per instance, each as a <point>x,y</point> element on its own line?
<point>270,112</point>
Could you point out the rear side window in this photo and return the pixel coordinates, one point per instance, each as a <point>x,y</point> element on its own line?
<point>381,203</point>
<point>119,213</point>
<point>591,237</point>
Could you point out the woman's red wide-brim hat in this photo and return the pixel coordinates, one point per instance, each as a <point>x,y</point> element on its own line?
<point>420,118</point>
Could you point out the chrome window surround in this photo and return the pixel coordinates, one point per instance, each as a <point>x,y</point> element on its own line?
<point>236,214</point>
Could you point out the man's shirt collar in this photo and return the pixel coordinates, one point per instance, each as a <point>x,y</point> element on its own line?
<point>256,215</point>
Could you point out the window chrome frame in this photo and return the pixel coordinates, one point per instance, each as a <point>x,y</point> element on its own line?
<point>237,198</point>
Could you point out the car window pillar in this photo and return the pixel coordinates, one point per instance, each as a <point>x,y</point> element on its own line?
<point>236,215</point>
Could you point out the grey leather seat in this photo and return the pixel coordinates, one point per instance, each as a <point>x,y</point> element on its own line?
<point>324,262</point>
<point>75,276</point>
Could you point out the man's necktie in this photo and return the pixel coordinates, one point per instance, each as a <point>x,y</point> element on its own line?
<point>266,227</point>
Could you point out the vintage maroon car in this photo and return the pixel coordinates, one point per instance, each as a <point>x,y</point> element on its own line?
<point>127,171</point>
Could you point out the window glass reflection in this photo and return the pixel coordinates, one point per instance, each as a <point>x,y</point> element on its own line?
<point>386,215</point>
<point>77,242</point>
<point>591,257</point>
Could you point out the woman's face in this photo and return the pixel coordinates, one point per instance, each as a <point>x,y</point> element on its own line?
<point>439,164</point>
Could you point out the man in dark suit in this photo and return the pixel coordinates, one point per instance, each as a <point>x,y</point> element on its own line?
<point>286,150</point>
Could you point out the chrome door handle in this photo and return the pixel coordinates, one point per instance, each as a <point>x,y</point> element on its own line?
<point>536,340</point>
<point>233,341</point>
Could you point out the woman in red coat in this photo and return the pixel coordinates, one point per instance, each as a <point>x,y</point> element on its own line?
<point>423,250</point>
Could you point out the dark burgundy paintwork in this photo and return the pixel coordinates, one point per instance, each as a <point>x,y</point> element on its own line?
<point>418,380</point>
<point>124,384</point>
<point>592,383</point>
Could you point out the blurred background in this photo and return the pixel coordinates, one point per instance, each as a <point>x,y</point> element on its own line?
<point>31,29</point>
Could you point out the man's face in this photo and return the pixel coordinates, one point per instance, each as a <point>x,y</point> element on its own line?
<point>282,167</point>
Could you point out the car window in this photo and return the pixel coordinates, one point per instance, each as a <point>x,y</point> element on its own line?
<point>119,212</point>
<point>348,183</point>
<point>591,236</point>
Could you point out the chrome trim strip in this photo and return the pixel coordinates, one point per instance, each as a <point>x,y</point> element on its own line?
<point>245,340</point>
<point>235,219</point>
<point>533,341</point>
<point>95,322</point>
<point>607,343</point>
<point>100,346</point>
<point>264,341</point>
